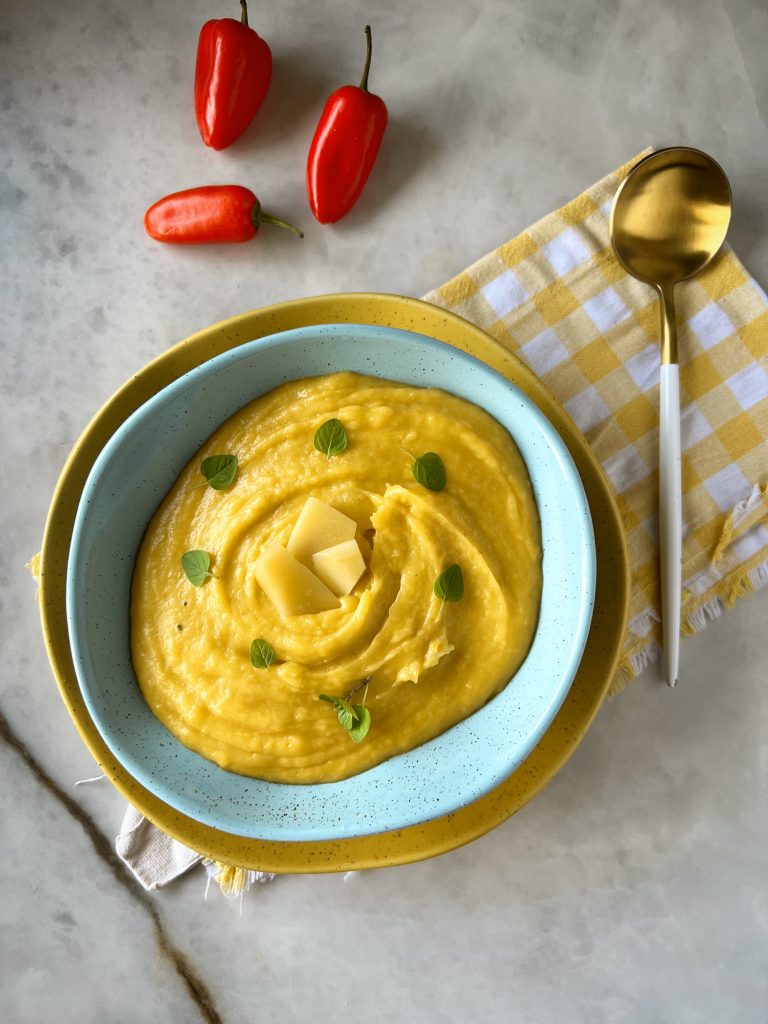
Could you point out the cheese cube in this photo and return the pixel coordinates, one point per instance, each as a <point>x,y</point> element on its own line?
<point>319,526</point>
<point>289,585</point>
<point>340,566</point>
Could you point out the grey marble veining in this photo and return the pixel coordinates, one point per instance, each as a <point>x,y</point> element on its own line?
<point>72,934</point>
<point>634,888</point>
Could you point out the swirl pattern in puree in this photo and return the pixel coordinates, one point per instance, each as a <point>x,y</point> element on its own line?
<point>430,664</point>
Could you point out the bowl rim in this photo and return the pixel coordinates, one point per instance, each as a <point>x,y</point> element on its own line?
<point>601,670</point>
<point>299,335</point>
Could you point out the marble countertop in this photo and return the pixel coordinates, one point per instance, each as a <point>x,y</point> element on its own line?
<point>633,889</point>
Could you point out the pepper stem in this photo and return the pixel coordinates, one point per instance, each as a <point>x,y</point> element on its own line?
<point>244,15</point>
<point>369,51</point>
<point>259,217</point>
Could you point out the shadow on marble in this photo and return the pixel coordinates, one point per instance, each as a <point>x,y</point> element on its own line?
<point>300,83</point>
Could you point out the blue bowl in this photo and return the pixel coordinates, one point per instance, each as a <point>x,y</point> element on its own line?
<point>132,475</point>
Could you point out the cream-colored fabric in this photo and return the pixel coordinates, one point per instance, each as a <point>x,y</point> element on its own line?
<point>153,857</point>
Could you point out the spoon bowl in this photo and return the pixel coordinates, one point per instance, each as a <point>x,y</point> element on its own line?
<point>670,215</point>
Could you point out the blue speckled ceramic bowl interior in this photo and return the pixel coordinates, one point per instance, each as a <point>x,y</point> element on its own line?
<point>136,469</point>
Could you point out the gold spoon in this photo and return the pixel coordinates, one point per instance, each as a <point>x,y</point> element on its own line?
<point>668,220</point>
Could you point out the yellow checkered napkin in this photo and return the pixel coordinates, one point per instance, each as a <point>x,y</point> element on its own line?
<point>558,298</point>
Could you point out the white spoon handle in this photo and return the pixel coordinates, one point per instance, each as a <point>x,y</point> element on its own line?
<point>670,517</point>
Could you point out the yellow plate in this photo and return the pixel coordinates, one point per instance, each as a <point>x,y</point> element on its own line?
<point>419,841</point>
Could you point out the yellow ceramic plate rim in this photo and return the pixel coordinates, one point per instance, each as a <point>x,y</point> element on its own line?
<point>419,841</point>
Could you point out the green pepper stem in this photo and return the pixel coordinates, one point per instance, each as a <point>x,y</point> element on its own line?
<point>259,217</point>
<point>244,15</point>
<point>369,51</point>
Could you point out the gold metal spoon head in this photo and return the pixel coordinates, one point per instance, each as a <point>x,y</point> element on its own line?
<point>670,216</point>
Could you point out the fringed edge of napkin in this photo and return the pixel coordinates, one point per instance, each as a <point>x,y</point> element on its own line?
<point>745,579</point>
<point>233,881</point>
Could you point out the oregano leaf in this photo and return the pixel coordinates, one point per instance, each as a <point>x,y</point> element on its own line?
<point>360,729</point>
<point>345,713</point>
<point>331,438</point>
<point>353,718</point>
<point>196,565</point>
<point>429,470</point>
<point>219,470</point>
<point>449,585</point>
<point>262,654</point>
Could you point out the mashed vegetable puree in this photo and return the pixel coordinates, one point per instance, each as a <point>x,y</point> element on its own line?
<point>429,663</point>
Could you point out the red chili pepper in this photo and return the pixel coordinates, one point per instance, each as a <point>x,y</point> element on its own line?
<point>234,66</point>
<point>344,148</point>
<point>211,213</point>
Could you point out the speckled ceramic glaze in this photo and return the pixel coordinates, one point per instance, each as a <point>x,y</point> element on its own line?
<point>136,469</point>
<point>401,846</point>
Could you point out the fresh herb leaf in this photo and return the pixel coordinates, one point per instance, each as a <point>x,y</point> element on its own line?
<point>331,438</point>
<point>196,565</point>
<point>449,585</point>
<point>429,470</point>
<point>353,718</point>
<point>346,713</point>
<point>262,654</point>
<point>219,470</point>
<point>360,729</point>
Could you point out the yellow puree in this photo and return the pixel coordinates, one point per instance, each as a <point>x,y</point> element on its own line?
<point>431,664</point>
